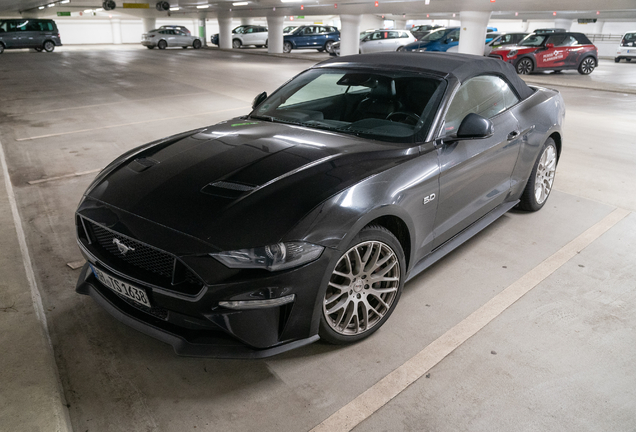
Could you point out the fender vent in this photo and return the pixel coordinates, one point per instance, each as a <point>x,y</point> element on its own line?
<point>227,189</point>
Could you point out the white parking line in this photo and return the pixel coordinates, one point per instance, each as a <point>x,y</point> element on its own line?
<point>63,419</point>
<point>77,174</point>
<point>127,124</point>
<point>363,406</point>
<point>101,105</point>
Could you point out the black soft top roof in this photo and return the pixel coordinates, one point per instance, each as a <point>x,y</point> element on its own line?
<point>461,66</point>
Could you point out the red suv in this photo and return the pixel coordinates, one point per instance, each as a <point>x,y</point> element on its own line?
<point>555,51</point>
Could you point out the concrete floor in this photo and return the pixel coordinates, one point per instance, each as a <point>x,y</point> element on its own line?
<point>560,358</point>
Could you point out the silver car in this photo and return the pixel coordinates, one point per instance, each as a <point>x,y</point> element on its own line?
<point>164,38</point>
<point>372,41</point>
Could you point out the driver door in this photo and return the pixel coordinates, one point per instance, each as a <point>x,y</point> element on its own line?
<point>475,173</point>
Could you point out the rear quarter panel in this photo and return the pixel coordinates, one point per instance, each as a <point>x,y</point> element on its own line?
<point>540,116</point>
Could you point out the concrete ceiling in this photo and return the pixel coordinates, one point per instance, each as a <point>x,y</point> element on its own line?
<point>406,9</point>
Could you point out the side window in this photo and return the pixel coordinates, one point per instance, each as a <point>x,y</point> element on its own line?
<point>570,41</point>
<point>392,35</point>
<point>506,39</point>
<point>484,95</point>
<point>556,40</point>
<point>22,25</point>
<point>453,36</point>
<point>308,30</point>
<point>323,30</point>
<point>250,30</point>
<point>376,36</point>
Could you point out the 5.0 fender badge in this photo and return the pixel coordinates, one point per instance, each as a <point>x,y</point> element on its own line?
<point>428,199</point>
<point>122,247</point>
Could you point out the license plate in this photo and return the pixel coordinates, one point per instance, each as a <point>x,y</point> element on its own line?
<point>123,288</point>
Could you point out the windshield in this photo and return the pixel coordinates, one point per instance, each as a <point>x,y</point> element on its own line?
<point>388,106</point>
<point>629,39</point>
<point>532,40</point>
<point>434,35</point>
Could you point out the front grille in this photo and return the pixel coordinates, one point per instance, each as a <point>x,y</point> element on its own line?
<point>170,270</point>
<point>495,56</point>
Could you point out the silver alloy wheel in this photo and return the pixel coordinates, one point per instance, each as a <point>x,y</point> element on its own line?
<point>49,46</point>
<point>287,47</point>
<point>524,66</point>
<point>362,288</point>
<point>545,174</point>
<point>236,43</point>
<point>587,66</point>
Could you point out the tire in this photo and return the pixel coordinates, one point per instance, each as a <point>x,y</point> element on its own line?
<point>320,49</point>
<point>266,43</point>
<point>162,44</point>
<point>628,60</point>
<point>48,46</point>
<point>184,47</point>
<point>150,47</point>
<point>400,49</point>
<point>1,48</point>
<point>617,60</point>
<point>287,47</point>
<point>236,43</point>
<point>328,46</point>
<point>587,66</point>
<point>353,308</point>
<point>524,66</point>
<point>541,178</point>
<point>39,49</point>
<point>196,44</point>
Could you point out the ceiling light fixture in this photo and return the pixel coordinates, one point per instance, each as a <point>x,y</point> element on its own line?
<point>41,7</point>
<point>203,6</point>
<point>174,9</point>
<point>65,1</point>
<point>50,5</point>
<point>427,2</point>
<point>290,1</point>
<point>240,3</point>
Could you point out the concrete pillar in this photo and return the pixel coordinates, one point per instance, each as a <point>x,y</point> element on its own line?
<point>472,33</point>
<point>149,24</point>
<point>563,23</point>
<point>200,29</point>
<point>225,32</point>
<point>115,25</point>
<point>350,34</point>
<point>399,24</point>
<point>371,22</point>
<point>247,21</point>
<point>598,27</point>
<point>275,34</point>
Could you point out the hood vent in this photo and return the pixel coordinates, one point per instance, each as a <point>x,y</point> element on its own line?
<point>227,189</point>
<point>142,164</point>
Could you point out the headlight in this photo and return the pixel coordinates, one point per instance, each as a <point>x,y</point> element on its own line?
<point>279,256</point>
<point>511,53</point>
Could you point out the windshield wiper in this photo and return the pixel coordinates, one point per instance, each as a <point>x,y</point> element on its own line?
<point>267,118</point>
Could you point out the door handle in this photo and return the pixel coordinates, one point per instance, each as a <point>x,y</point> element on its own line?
<point>512,135</point>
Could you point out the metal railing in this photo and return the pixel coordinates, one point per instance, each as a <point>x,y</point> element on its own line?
<point>604,37</point>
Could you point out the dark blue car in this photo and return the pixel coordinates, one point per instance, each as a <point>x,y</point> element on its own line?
<point>441,40</point>
<point>319,37</point>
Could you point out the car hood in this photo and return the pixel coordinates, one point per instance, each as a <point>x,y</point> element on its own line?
<point>241,183</point>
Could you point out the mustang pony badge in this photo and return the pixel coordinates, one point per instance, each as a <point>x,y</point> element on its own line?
<point>122,247</point>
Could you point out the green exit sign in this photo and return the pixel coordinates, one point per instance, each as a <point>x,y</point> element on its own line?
<point>63,14</point>
<point>301,17</point>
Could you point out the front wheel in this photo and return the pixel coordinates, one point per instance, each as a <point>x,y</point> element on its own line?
<point>48,46</point>
<point>541,178</point>
<point>587,66</point>
<point>236,44</point>
<point>162,44</point>
<point>196,44</point>
<point>287,47</point>
<point>364,287</point>
<point>525,66</point>
<point>401,48</point>
<point>328,46</point>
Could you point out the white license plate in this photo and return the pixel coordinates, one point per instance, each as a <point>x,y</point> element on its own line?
<point>120,287</point>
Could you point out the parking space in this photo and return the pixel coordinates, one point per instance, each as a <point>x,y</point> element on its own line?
<point>557,359</point>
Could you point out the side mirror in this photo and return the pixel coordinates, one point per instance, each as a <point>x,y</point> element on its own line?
<point>447,41</point>
<point>475,126</point>
<point>549,45</point>
<point>259,99</point>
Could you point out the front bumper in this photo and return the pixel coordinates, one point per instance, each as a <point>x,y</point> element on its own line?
<point>196,325</point>
<point>191,342</point>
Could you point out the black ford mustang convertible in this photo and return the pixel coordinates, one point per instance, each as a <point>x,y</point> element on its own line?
<point>304,219</point>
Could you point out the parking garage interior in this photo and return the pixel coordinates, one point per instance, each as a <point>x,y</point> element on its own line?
<point>529,326</point>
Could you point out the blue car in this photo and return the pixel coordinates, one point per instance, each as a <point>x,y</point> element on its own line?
<point>319,37</point>
<point>441,40</point>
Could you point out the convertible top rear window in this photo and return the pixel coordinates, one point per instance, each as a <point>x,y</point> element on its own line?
<point>383,105</point>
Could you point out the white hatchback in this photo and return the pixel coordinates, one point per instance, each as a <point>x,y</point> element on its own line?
<point>627,47</point>
<point>386,40</point>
